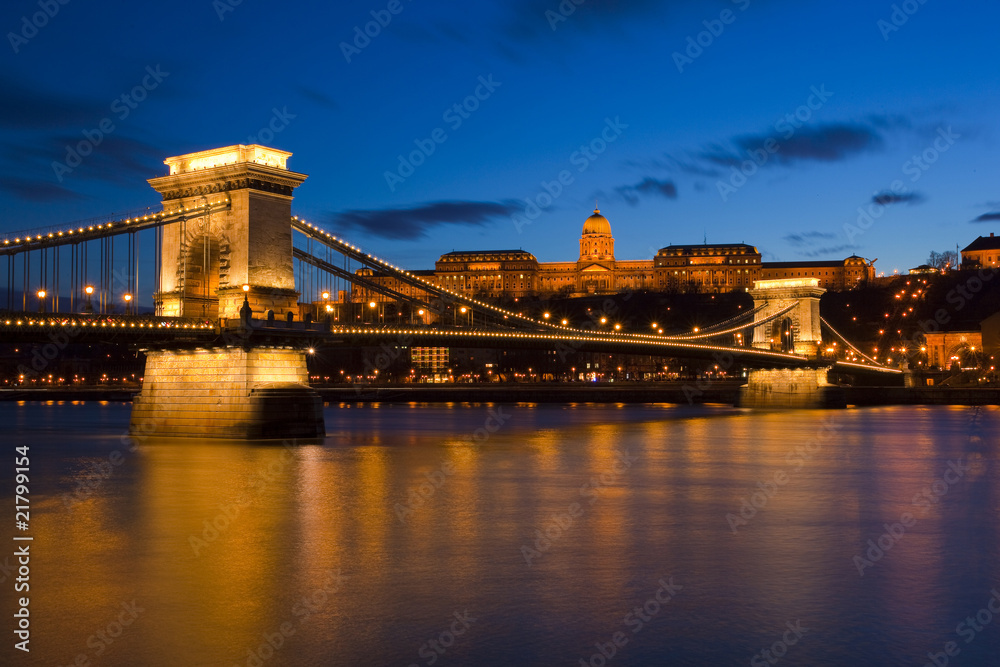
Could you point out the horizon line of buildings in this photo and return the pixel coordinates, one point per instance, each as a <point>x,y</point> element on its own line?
<point>707,268</point>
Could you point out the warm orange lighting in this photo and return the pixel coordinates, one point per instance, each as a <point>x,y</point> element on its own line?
<point>371,304</point>
<point>246,288</point>
<point>545,315</point>
<point>89,289</point>
<point>127,297</point>
<point>41,294</point>
<point>326,295</point>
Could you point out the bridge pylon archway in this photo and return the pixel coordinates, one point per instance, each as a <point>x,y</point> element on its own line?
<point>800,330</point>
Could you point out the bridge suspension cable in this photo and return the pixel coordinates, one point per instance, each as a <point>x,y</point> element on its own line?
<point>742,316</point>
<point>718,334</point>
<point>849,343</point>
<point>436,291</point>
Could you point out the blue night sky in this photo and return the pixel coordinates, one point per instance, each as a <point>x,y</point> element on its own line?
<point>848,107</point>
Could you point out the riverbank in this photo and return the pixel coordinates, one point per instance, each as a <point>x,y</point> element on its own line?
<point>658,392</point>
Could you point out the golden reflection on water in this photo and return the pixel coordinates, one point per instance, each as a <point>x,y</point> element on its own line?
<point>222,542</point>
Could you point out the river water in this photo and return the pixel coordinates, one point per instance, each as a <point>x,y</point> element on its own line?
<point>470,534</point>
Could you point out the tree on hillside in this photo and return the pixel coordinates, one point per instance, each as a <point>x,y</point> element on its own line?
<point>940,260</point>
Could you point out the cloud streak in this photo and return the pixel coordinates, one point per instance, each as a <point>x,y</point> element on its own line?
<point>988,217</point>
<point>414,222</point>
<point>831,142</point>
<point>889,198</point>
<point>647,187</point>
<point>831,250</point>
<point>809,238</point>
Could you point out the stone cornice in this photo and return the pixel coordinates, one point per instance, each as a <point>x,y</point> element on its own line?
<point>245,175</point>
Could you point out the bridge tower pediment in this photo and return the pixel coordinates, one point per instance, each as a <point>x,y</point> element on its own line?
<point>207,258</point>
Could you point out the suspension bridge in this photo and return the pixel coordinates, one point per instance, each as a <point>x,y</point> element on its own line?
<point>242,289</point>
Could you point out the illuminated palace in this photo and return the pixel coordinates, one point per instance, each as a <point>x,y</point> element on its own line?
<point>708,268</point>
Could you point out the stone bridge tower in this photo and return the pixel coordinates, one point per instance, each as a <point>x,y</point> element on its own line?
<point>243,385</point>
<point>799,331</point>
<point>208,258</point>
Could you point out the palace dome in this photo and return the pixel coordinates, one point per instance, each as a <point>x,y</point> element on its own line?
<point>597,224</point>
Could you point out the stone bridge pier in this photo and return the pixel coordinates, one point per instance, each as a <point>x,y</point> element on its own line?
<point>233,266</point>
<point>799,331</point>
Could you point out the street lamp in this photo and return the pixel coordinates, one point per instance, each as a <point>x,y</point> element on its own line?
<point>89,291</point>
<point>128,303</point>
<point>41,300</point>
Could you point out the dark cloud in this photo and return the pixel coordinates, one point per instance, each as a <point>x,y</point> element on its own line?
<point>529,21</point>
<point>29,108</point>
<point>822,143</point>
<point>988,217</point>
<point>672,163</point>
<point>891,122</point>
<point>36,191</point>
<point>648,186</point>
<point>833,250</point>
<point>889,198</point>
<point>809,238</point>
<point>414,222</point>
<point>27,171</point>
<point>319,97</point>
